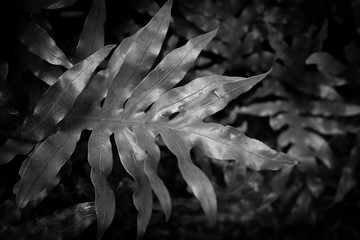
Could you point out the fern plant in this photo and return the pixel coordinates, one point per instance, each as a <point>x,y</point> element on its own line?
<point>237,50</point>
<point>135,103</point>
<point>303,105</point>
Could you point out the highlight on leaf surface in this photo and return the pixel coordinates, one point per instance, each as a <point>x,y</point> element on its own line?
<point>40,43</point>
<point>135,104</point>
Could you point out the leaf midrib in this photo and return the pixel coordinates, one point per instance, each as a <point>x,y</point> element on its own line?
<point>42,31</point>
<point>42,169</point>
<point>38,124</point>
<point>164,78</point>
<point>137,63</point>
<point>176,129</point>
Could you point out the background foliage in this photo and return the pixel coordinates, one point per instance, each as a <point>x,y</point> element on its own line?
<point>308,106</point>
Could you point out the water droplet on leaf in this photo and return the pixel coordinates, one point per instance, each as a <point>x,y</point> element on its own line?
<point>220,96</point>
<point>217,94</point>
<point>233,137</point>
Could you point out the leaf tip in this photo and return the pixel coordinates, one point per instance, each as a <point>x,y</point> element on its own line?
<point>21,202</point>
<point>294,162</point>
<point>99,234</point>
<point>212,220</point>
<point>109,47</point>
<point>264,75</point>
<point>167,215</point>
<point>216,29</point>
<point>168,5</point>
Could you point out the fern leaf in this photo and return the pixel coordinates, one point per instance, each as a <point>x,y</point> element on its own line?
<point>139,58</point>
<point>59,98</point>
<point>146,140</point>
<point>92,36</point>
<point>136,105</point>
<point>132,158</point>
<point>100,159</point>
<point>40,170</point>
<point>39,42</point>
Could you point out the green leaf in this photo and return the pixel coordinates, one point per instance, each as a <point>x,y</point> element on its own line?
<point>59,98</point>
<point>39,42</point>
<point>92,36</point>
